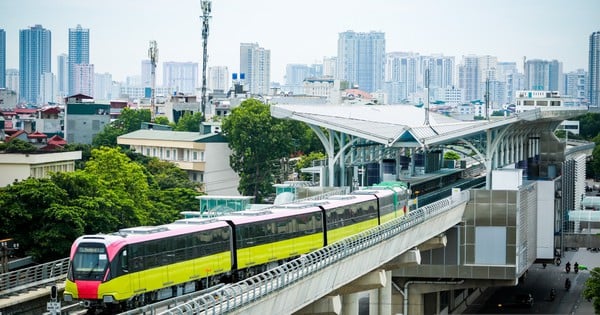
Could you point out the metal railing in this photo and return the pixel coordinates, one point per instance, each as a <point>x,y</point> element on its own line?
<point>234,296</point>
<point>25,279</point>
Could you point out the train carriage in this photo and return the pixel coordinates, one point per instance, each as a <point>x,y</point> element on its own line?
<point>145,264</point>
<point>273,235</point>
<point>346,215</point>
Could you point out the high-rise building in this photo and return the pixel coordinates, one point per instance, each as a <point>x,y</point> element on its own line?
<point>2,58</point>
<point>594,70</point>
<point>35,46</point>
<point>47,88</point>
<point>62,64</point>
<point>79,53</point>
<point>403,68</point>
<point>255,64</point>
<point>218,78</point>
<point>441,71</point>
<point>505,72</point>
<point>147,73</point>
<point>295,74</point>
<point>180,76</point>
<point>543,75</point>
<point>576,84</point>
<point>102,86</point>
<point>330,66</point>
<point>83,80</point>
<point>361,59</point>
<point>12,80</point>
<point>469,78</point>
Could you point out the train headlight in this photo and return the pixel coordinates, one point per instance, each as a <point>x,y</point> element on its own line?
<point>108,299</point>
<point>67,297</point>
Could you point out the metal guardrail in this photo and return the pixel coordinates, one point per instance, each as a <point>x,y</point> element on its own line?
<point>25,279</point>
<point>234,296</point>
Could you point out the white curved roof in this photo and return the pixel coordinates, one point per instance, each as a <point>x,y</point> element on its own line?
<point>385,124</point>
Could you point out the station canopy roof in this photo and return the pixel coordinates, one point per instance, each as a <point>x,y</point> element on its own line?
<point>385,124</point>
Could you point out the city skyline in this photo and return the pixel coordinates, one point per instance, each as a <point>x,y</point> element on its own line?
<point>305,32</point>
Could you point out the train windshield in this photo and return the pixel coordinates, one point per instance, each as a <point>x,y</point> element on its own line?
<point>89,262</point>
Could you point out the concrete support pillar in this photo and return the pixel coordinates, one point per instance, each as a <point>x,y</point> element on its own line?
<point>329,305</point>
<point>374,306</point>
<point>385,296</point>
<point>415,303</point>
<point>350,304</point>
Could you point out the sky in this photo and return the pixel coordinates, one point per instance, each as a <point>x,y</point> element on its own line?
<point>306,31</point>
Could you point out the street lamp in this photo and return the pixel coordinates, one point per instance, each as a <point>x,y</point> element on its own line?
<point>7,248</point>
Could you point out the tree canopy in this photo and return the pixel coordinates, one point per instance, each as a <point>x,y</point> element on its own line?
<point>257,141</point>
<point>111,192</point>
<point>591,290</point>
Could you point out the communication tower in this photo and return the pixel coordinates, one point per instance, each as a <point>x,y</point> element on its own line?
<point>206,9</point>
<point>153,55</point>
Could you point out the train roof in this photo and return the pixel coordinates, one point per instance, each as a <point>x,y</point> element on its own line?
<point>251,216</point>
<point>343,200</point>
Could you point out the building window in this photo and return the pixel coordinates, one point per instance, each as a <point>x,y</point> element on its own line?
<point>168,154</point>
<point>194,156</point>
<point>147,151</point>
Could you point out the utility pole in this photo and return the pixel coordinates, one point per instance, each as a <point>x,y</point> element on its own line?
<point>153,55</point>
<point>206,9</point>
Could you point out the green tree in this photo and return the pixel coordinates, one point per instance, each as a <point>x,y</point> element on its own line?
<point>257,141</point>
<point>19,146</point>
<point>129,120</point>
<point>591,290</point>
<point>25,208</point>
<point>162,120</point>
<point>451,155</point>
<point>126,179</point>
<point>189,122</point>
<point>306,161</point>
<point>589,125</point>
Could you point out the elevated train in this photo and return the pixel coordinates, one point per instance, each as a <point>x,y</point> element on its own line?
<point>137,266</point>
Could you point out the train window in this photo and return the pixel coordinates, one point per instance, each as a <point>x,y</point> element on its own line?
<point>124,263</point>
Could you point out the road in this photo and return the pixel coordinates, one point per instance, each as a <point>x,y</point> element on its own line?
<point>539,282</point>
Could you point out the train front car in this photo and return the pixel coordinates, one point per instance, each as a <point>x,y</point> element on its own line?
<point>89,267</point>
<point>145,264</point>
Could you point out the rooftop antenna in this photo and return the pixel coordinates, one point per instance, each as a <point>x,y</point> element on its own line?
<point>206,9</point>
<point>153,55</point>
<point>427,97</point>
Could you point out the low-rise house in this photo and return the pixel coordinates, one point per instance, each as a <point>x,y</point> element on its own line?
<point>205,157</point>
<point>19,166</point>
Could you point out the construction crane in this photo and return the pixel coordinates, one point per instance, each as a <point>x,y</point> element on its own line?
<point>206,9</point>
<point>153,55</point>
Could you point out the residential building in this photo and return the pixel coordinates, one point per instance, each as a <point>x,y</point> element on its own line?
<point>102,86</point>
<point>594,70</point>
<point>205,157</point>
<point>255,65</point>
<point>218,78</point>
<point>83,79</point>
<point>2,58</point>
<point>84,118</point>
<point>8,99</point>
<point>47,88</point>
<point>576,84</point>
<point>181,77</point>
<point>295,74</point>
<point>35,46</point>
<point>12,80</point>
<point>361,59</point>
<point>17,166</point>
<point>146,75</point>
<point>543,75</point>
<point>62,74</point>
<point>79,53</point>
<point>441,70</point>
<point>330,67</point>
<point>402,71</point>
<point>508,73</point>
<point>469,78</point>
